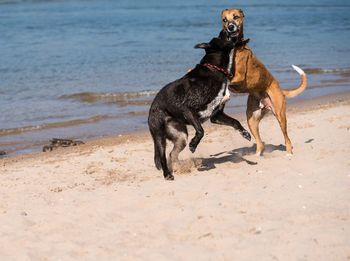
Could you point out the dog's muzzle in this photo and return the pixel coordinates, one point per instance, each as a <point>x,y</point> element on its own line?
<point>232,29</point>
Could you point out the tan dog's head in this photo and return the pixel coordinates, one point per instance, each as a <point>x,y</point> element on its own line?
<point>232,23</point>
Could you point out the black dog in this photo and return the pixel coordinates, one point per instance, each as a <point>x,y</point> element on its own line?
<point>199,95</point>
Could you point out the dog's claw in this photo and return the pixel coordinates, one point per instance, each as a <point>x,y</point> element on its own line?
<point>169,177</point>
<point>246,135</point>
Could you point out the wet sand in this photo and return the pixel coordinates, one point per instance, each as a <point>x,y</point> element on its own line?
<point>106,200</point>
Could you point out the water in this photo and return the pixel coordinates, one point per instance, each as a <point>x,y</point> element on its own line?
<point>84,69</point>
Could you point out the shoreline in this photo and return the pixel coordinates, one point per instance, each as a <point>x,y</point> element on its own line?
<point>99,123</point>
<point>292,107</point>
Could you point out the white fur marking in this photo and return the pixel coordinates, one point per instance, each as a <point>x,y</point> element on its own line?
<point>226,93</point>
<point>176,133</point>
<point>257,114</point>
<point>223,96</point>
<point>261,105</point>
<point>230,61</point>
<point>299,70</point>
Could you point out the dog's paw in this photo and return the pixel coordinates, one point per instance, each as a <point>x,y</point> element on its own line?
<point>169,177</point>
<point>246,134</point>
<point>193,146</point>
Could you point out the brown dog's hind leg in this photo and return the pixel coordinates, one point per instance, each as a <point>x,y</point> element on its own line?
<point>279,104</point>
<point>282,120</point>
<point>254,115</point>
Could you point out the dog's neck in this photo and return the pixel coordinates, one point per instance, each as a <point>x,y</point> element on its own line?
<point>224,70</point>
<point>238,41</point>
<point>242,42</point>
<point>217,59</point>
<point>219,69</point>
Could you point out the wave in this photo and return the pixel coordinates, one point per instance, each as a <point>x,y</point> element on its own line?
<point>342,71</point>
<point>62,124</point>
<point>119,98</point>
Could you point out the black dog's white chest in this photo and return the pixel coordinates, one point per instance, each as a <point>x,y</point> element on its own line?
<point>217,103</point>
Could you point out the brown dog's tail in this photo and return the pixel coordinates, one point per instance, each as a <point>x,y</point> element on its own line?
<point>294,92</point>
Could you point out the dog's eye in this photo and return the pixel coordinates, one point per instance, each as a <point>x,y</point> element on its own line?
<point>224,20</point>
<point>235,17</point>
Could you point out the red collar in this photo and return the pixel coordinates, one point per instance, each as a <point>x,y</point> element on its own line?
<point>219,69</point>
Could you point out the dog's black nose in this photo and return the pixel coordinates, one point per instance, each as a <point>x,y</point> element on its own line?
<point>232,27</point>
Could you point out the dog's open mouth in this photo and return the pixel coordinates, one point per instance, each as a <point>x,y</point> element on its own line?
<point>232,31</point>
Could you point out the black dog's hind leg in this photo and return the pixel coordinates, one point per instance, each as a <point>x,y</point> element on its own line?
<point>160,144</point>
<point>195,122</point>
<point>223,119</point>
<point>177,133</point>
<point>157,129</point>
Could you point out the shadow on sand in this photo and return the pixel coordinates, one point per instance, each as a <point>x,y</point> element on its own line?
<point>236,156</point>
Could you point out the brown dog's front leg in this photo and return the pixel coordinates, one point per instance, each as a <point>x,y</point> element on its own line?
<point>195,122</point>
<point>223,119</point>
<point>237,87</point>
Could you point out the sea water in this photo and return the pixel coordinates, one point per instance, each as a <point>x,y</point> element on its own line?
<point>86,69</point>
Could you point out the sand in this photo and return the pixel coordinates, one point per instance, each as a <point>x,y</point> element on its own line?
<point>105,200</point>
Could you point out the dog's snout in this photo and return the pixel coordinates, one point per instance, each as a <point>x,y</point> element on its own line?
<point>232,27</point>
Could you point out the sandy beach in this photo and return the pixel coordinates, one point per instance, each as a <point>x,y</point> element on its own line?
<point>105,200</point>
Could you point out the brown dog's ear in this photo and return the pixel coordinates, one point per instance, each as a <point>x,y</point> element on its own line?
<point>241,11</point>
<point>222,12</point>
<point>202,46</point>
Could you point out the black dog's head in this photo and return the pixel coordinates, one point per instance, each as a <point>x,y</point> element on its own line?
<point>217,51</point>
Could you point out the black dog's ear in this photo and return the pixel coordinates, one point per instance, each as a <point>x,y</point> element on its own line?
<point>202,46</point>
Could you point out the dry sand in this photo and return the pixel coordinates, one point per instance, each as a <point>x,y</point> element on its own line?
<point>106,201</point>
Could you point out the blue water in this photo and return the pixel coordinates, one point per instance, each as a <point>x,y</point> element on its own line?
<point>83,69</point>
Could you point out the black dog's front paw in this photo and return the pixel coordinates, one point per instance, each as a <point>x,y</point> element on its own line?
<point>245,134</point>
<point>193,146</point>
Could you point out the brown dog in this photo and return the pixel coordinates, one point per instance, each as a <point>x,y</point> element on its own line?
<point>251,76</point>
